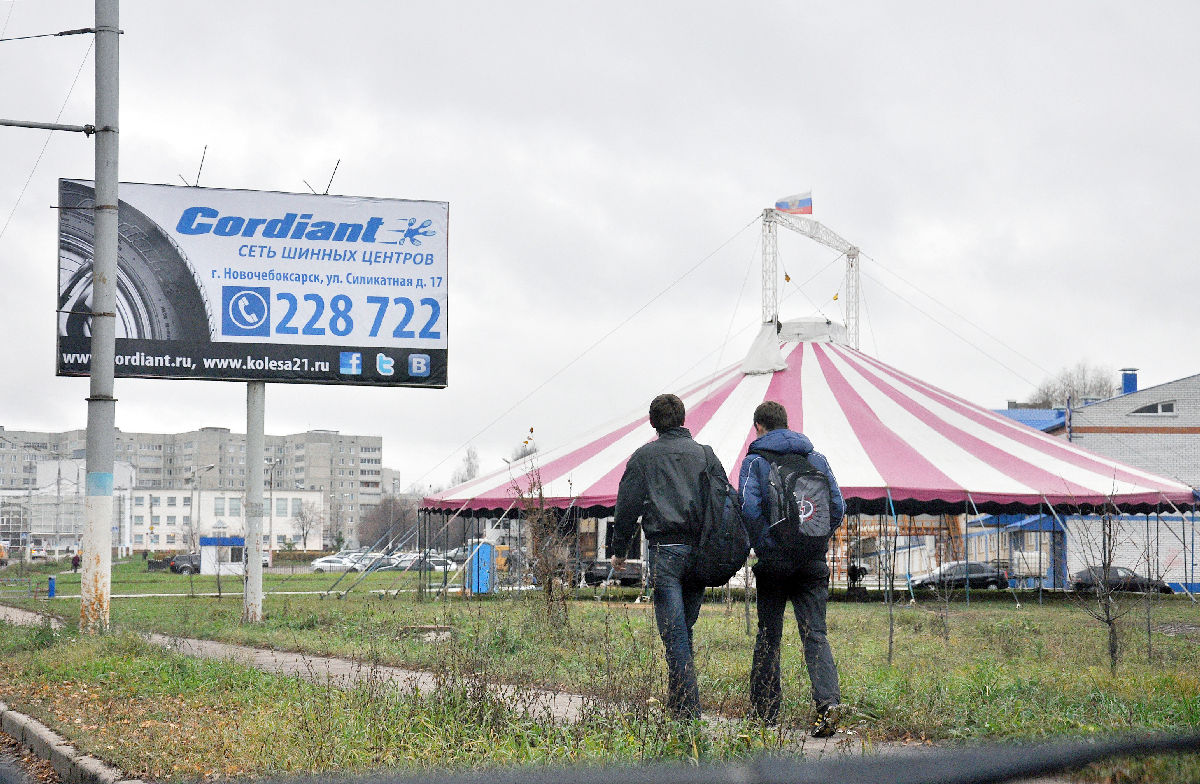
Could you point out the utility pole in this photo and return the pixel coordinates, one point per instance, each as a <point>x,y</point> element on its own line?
<point>96,580</point>
<point>256,402</point>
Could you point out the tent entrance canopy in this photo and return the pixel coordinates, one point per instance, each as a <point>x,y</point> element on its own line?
<point>897,445</point>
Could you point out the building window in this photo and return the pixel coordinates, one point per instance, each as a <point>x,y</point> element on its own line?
<point>187,500</point>
<point>139,519</point>
<point>138,539</point>
<point>281,507</point>
<point>297,507</point>
<point>235,507</point>
<point>153,538</point>
<point>171,500</point>
<point>155,500</point>
<point>187,519</point>
<point>218,506</point>
<point>1163,407</point>
<point>139,500</point>
<point>170,538</point>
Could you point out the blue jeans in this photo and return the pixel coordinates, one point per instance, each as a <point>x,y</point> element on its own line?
<point>676,608</point>
<point>808,594</point>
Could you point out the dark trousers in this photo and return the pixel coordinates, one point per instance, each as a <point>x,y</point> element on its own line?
<point>807,594</point>
<point>676,608</point>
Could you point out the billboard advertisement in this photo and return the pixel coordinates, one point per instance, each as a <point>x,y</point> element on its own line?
<point>260,286</point>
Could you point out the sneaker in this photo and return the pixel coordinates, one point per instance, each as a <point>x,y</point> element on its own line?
<point>826,721</point>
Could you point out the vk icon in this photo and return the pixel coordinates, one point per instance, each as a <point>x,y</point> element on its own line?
<point>351,363</point>
<point>384,364</point>
<point>246,311</point>
<point>418,365</point>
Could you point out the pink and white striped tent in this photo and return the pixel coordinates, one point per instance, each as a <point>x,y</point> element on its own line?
<point>894,442</point>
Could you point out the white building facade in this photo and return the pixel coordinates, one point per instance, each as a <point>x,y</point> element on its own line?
<point>174,520</point>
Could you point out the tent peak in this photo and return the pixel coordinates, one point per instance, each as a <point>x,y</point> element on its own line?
<point>813,329</point>
<point>764,355</point>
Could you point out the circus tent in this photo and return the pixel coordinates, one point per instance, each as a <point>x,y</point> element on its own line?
<point>896,443</point>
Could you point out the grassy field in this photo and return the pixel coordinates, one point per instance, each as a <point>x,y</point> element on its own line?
<point>987,671</point>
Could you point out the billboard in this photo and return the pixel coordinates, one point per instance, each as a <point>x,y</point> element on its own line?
<point>261,286</point>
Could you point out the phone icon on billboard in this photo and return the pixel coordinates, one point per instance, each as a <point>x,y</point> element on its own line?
<point>246,311</point>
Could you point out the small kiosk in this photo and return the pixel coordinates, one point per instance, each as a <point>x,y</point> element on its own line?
<point>223,554</point>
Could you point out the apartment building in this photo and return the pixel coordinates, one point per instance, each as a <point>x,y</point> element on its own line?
<point>345,469</point>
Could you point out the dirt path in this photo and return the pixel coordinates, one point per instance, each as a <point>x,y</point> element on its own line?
<point>559,706</point>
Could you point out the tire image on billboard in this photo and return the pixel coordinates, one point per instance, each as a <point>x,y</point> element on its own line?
<point>157,296</point>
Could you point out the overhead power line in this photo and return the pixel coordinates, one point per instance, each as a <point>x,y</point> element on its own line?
<point>80,31</point>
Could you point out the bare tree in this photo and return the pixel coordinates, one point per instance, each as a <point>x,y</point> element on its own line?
<point>308,521</point>
<point>1078,384</point>
<point>1098,596</point>
<point>547,544</point>
<point>524,449</point>
<point>469,468</point>
<point>395,516</point>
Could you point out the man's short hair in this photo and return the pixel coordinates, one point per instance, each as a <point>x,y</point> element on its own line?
<point>666,412</point>
<point>771,415</point>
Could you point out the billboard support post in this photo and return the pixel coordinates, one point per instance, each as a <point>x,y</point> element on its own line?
<point>256,404</point>
<point>101,417</point>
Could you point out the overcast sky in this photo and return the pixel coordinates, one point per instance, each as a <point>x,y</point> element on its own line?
<point>1022,178</point>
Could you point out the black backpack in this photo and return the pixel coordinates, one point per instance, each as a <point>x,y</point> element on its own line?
<point>724,544</point>
<point>799,512</point>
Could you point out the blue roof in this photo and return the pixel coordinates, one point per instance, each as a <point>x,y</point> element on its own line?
<point>1037,418</point>
<point>222,541</point>
<point>1017,522</point>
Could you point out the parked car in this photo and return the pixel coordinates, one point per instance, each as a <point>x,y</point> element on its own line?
<point>460,554</point>
<point>596,572</point>
<point>361,562</point>
<point>184,563</point>
<point>330,563</point>
<point>1119,579</point>
<point>415,562</point>
<point>957,574</point>
<point>36,553</point>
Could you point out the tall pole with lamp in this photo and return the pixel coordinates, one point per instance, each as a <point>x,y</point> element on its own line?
<point>194,522</point>
<point>271,512</point>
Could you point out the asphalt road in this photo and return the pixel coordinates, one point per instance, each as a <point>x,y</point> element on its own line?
<point>18,768</point>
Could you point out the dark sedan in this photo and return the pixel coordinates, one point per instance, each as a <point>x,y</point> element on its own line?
<point>185,563</point>
<point>596,572</point>
<point>1119,579</point>
<point>958,574</point>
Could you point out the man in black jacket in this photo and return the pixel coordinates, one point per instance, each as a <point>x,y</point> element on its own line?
<point>661,485</point>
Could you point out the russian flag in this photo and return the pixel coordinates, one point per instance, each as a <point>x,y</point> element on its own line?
<point>800,204</point>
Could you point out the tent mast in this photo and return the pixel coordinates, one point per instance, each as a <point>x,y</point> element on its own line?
<point>770,269</point>
<point>814,230</point>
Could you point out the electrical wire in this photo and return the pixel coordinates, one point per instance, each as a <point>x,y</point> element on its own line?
<point>948,328</point>
<point>589,349</point>
<point>46,143</point>
<point>733,314</point>
<point>958,315</point>
<point>80,31</point>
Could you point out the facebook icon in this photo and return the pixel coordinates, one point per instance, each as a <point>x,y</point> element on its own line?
<point>351,363</point>
<point>418,365</point>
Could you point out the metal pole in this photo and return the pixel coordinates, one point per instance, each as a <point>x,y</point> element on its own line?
<point>271,515</point>
<point>256,403</point>
<point>770,268</point>
<point>853,295</point>
<point>96,580</point>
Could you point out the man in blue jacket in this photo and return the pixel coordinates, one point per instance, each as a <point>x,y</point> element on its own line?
<point>781,576</point>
